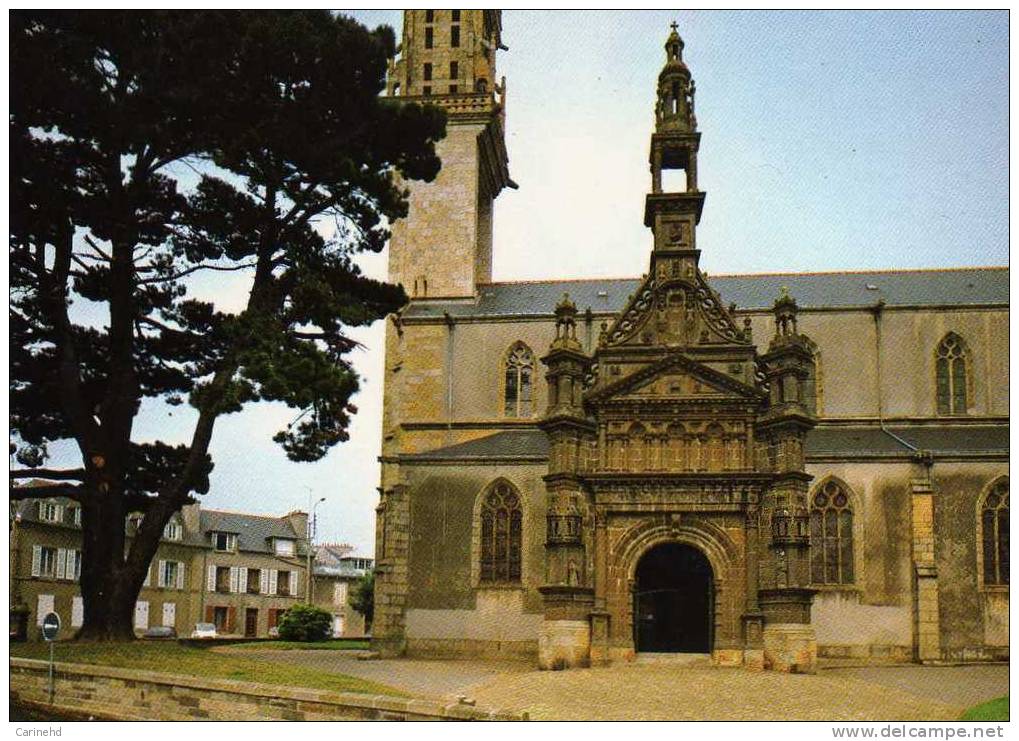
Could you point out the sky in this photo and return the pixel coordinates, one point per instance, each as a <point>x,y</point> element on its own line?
<point>830,141</point>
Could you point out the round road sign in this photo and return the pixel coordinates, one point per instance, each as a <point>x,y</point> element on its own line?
<point>50,626</point>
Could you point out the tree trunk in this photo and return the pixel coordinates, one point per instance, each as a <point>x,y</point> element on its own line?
<point>111,580</point>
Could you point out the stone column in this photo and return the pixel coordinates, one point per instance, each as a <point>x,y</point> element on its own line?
<point>388,628</point>
<point>926,625</point>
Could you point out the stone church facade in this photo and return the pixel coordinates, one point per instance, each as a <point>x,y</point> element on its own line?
<point>766,469</point>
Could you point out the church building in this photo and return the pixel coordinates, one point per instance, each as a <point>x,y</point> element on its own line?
<point>762,469</point>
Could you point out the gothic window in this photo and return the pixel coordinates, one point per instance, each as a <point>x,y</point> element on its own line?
<point>454,36</point>
<point>426,73</point>
<point>454,70</point>
<point>831,535</point>
<point>429,16</point>
<point>994,534</point>
<point>429,37</point>
<point>501,530</point>
<point>951,371</point>
<point>519,381</point>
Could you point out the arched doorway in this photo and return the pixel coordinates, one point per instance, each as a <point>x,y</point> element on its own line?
<point>673,610</point>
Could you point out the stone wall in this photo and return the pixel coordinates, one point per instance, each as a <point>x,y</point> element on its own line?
<point>128,694</point>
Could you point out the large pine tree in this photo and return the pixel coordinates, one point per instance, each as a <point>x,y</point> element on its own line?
<point>280,116</point>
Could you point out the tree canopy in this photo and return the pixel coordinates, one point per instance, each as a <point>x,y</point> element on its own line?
<point>147,148</point>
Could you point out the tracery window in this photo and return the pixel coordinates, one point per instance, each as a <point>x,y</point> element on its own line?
<point>519,381</point>
<point>831,535</point>
<point>501,530</point>
<point>994,534</point>
<point>950,369</point>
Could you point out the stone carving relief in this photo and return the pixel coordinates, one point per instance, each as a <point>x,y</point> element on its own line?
<point>685,310</point>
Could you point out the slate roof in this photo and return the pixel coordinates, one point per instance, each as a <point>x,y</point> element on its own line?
<point>951,287</point>
<point>27,510</point>
<point>834,441</point>
<point>253,531</point>
<point>513,444</point>
<point>332,559</point>
<point>867,441</point>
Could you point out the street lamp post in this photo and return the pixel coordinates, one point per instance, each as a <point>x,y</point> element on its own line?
<point>311,535</point>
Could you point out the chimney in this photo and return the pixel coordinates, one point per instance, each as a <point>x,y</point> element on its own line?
<point>299,522</point>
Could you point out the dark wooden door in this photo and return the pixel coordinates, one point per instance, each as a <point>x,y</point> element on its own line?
<point>250,622</point>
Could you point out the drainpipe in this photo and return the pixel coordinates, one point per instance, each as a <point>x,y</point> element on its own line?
<point>876,310</point>
<point>449,378</point>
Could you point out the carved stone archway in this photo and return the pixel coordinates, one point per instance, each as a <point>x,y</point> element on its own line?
<point>722,553</point>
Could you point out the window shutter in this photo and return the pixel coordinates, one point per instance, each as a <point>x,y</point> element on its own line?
<point>242,579</point>
<point>148,577</point>
<point>41,509</point>
<point>36,559</point>
<point>210,611</point>
<point>77,612</point>
<point>180,574</point>
<point>61,563</point>
<point>263,581</point>
<point>161,575</point>
<point>77,565</point>
<point>43,606</point>
<point>231,618</point>
<point>234,578</point>
<point>273,578</point>
<point>210,580</point>
<point>58,513</point>
<point>295,584</point>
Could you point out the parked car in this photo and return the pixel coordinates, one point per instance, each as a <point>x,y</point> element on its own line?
<point>204,630</point>
<point>159,632</point>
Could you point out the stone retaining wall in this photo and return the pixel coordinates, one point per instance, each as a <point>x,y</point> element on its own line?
<point>131,694</point>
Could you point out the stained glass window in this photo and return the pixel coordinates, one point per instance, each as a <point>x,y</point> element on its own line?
<point>831,535</point>
<point>519,381</point>
<point>501,528</point>
<point>994,529</point>
<point>950,368</point>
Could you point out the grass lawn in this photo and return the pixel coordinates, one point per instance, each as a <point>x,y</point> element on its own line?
<point>993,710</point>
<point>302,645</point>
<point>171,658</point>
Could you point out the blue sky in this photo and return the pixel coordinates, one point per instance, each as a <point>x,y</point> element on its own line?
<point>831,141</point>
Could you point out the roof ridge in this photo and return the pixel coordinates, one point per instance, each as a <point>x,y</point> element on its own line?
<point>244,514</point>
<point>861,271</point>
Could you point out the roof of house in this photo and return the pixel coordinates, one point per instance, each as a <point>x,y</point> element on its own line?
<point>822,442</point>
<point>946,287</point>
<point>336,559</point>
<point>253,531</point>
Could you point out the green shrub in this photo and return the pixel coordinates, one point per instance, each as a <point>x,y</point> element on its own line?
<point>305,623</point>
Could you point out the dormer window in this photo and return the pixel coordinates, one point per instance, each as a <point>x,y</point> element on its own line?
<point>224,542</point>
<point>50,512</point>
<point>173,530</point>
<point>76,516</point>
<point>284,547</point>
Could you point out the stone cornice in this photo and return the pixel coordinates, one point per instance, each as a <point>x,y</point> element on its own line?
<point>676,360</point>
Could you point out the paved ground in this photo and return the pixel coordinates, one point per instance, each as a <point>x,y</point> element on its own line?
<point>660,691</point>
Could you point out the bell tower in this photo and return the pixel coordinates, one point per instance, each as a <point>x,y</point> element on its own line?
<point>673,215</point>
<point>443,248</point>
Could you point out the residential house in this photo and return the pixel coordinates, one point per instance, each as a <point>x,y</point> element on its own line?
<point>337,572</point>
